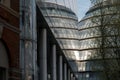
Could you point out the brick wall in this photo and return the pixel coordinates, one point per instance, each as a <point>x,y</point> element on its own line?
<point>15,5</point>
<point>10,36</point>
<point>9,16</point>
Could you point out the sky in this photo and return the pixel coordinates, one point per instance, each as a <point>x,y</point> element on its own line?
<point>80,7</point>
<point>83,6</point>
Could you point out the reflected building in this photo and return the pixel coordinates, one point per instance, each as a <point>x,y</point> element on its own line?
<point>99,41</point>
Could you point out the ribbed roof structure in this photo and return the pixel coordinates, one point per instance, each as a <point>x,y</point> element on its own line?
<point>100,41</point>
<point>63,23</point>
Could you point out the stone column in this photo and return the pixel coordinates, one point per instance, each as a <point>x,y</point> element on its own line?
<point>69,74</point>
<point>73,77</point>
<point>54,72</point>
<point>65,71</point>
<point>43,55</point>
<point>61,67</point>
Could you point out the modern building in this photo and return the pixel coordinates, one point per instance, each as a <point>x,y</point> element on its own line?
<point>99,41</point>
<point>42,41</point>
<point>71,4</point>
<point>40,54</point>
<point>9,40</point>
<point>63,23</point>
<point>52,63</point>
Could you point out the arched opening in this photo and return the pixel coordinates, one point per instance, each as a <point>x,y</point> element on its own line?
<point>3,62</point>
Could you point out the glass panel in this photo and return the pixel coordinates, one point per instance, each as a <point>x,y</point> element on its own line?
<point>74,66</point>
<point>65,33</point>
<point>72,55</point>
<point>90,76</point>
<point>69,44</point>
<point>92,65</point>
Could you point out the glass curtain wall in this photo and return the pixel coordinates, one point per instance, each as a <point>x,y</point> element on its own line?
<point>100,42</point>
<point>71,4</point>
<point>28,39</point>
<point>63,23</point>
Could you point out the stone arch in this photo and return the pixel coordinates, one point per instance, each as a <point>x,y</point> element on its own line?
<point>4,64</point>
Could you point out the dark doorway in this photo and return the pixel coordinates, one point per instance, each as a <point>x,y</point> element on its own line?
<point>2,74</point>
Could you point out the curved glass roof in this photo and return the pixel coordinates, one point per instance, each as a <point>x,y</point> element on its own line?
<point>63,23</point>
<point>81,45</point>
<point>72,4</point>
<point>93,30</point>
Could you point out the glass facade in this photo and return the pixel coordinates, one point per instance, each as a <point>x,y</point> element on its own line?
<point>63,24</point>
<point>100,42</point>
<point>72,4</point>
<point>88,48</point>
<point>62,21</point>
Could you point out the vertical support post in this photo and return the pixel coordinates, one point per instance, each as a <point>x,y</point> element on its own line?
<point>54,68</point>
<point>43,55</point>
<point>61,67</point>
<point>72,76</point>
<point>65,71</point>
<point>69,76</point>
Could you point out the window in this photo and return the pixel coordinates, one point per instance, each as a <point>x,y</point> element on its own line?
<point>2,74</point>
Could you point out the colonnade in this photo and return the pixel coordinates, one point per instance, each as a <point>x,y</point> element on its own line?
<point>52,62</point>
